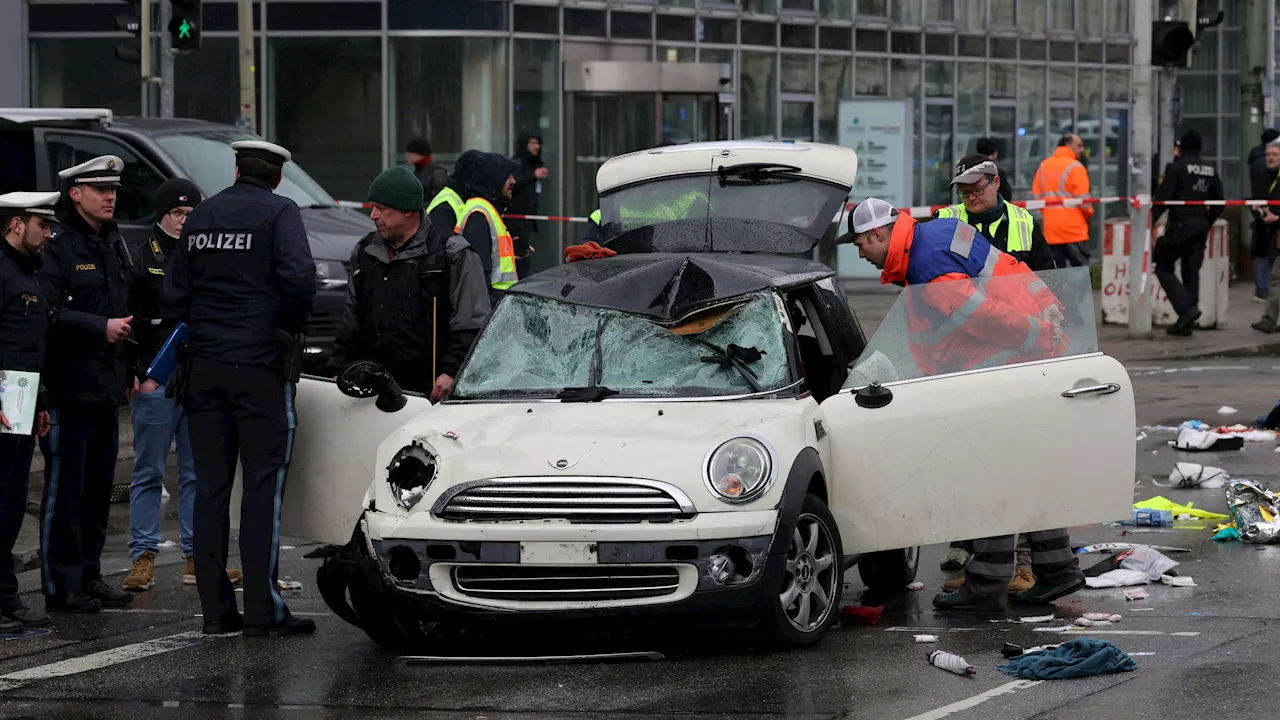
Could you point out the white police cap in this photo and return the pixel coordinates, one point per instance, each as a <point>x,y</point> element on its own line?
<point>261,150</point>
<point>28,203</point>
<point>102,171</point>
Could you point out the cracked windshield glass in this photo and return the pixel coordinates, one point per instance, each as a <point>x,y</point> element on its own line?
<point>971,324</point>
<point>539,347</point>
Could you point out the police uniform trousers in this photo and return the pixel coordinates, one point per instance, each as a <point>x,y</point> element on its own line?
<point>244,412</point>
<point>1184,296</point>
<point>79,470</point>
<point>15,471</point>
<point>988,573</point>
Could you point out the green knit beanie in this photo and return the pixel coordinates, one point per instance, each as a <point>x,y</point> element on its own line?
<point>397,188</point>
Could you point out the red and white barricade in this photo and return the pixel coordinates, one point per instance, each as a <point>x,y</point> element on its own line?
<point>1215,274</point>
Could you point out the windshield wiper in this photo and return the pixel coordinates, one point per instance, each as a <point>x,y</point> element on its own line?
<point>593,392</point>
<point>737,357</point>
<point>754,173</point>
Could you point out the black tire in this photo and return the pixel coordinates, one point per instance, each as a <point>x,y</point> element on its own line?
<point>782,623</point>
<point>889,572</point>
<point>388,626</point>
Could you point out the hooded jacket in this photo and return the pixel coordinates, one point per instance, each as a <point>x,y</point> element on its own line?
<point>482,175</point>
<point>528,190</point>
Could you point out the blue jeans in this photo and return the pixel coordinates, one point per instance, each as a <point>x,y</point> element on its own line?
<point>1262,276</point>
<point>157,421</point>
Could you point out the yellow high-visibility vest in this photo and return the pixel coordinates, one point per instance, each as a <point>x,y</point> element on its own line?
<point>503,274</point>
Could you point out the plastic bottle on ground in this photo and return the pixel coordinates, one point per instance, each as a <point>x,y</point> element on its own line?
<point>951,663</point>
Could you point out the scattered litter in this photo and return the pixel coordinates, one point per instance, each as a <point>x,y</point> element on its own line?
<point>860,615</point>
<point>1135,594</point>
<point>1226,533</point>
<point>1086,622</point>
<point>1182,581</point>
<point>1163,503</point>
<point>1255,510</point>
<point>916,586</point>
<point>1080,657</point>
<point>951,663</point>
<point>1227,410</point>
<point>1150,518</point>
<point>1117,578</point>
<point>1110,548</point>
<point>1194,614</point>
<point>926,638</point>
<point>1141,654</point>
<point>1141,609</point>
<point>1010,650</point>
<point>1192,475</point>
<point>1040,619</point>
<point>1192,425</point>
<point>1102,616</point>
<point>1141,436</point>
<point>167,544</point>
<point>286,547</point>
<point>288,584</point>
<point>1060,629</point>
<point>1206,441</point>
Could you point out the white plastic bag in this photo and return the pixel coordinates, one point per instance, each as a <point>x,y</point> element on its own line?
<point>1148,560</point>
<point>1118,578</point>
<point>1192,475</point>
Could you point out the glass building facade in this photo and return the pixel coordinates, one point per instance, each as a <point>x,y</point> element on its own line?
<point>345,84</point>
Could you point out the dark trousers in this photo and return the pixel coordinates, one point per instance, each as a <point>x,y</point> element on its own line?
<point>15,471</point>
<point>79,468</point>
<point>246,413</point>
<point>1184,296</point>
<point>1074,254</point>
<point>987,575</point>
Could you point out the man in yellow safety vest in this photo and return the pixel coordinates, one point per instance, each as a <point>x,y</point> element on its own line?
<point>486,180</point>
<point>1006,226</point>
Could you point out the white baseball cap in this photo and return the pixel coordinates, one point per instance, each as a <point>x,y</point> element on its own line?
<point>871,214</point>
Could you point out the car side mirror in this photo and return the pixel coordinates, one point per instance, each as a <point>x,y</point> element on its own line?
<point>366,378</point>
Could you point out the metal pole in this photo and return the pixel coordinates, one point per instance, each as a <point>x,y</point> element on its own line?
<point>1254,33</point>
<point>248,105</point>
<point>166,61</point>
<point>144,55</point>
<point>1140,286</point>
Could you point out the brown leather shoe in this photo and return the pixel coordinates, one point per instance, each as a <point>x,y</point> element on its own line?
<point>1022,581</point>
<point>143,575</point>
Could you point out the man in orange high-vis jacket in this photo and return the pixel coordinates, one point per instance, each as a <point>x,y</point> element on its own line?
<point>1063,175</point>
<point>978,307</point>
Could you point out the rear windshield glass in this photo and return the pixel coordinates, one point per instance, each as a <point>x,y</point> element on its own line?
<point>207,158</point>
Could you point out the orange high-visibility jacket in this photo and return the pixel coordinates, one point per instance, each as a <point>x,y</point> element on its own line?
<point>1063,176</point>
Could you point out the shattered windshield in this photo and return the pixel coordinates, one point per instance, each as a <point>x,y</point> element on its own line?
<point>742,208</point>
<point>536,347</point>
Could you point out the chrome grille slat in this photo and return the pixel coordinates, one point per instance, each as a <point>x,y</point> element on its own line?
<point>577,499</point>
<point>566,583</point>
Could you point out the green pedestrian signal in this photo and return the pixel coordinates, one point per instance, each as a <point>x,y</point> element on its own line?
<point>184,32</point>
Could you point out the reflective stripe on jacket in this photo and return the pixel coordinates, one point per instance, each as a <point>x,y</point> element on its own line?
<point>447,195</point>
<point>1021,225</point>
<point>503,273</point>
<point>1063,176</point>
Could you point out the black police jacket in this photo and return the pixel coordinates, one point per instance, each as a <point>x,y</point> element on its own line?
<point>24,319</point>
<point>1188,178</point>
<point>84,278</point>
<point>151,327</point>
<point>241,271</point>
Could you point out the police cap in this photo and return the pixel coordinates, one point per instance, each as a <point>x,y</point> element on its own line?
<point>102,171</point>
<point>261,150</point>
<point>28,203</point>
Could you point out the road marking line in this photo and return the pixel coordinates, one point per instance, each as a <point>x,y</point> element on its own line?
<point>1072,631</point>
<point>976,700</point>
<point>105,658</point>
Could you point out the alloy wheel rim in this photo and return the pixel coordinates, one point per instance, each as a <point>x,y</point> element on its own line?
<point>809,587</point>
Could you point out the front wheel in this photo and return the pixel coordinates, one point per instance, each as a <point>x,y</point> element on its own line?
<point>890,571</point>
<point>803,611</point>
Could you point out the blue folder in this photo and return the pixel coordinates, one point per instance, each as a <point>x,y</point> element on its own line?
<point>167,359</point>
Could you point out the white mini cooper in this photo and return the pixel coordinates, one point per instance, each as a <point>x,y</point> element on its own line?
<point>695,424</point>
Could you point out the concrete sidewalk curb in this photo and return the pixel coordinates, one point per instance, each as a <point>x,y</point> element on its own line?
<point>1263,349</point>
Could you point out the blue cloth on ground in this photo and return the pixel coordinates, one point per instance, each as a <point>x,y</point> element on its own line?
<point>1079,657</point>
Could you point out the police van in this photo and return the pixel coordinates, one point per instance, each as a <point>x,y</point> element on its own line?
<point>35,143</point>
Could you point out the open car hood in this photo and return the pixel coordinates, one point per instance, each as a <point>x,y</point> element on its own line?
<point>724,197</point>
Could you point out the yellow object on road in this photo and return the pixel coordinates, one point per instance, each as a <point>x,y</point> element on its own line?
<point>1163,503</point>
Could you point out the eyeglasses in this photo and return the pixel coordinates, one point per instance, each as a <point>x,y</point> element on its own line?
<point>965,194</point>
<point>179,212</point>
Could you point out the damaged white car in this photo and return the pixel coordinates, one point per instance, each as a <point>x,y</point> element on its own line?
<point>678,428</point>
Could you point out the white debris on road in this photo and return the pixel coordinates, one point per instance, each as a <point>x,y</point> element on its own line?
<point>1227,410</point>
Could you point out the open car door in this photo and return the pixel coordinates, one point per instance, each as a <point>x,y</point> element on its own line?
<point>966,439</point>
<point>334,450</point>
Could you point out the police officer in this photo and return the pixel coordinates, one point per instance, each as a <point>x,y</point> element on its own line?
<point>1009,228</point>
<point>84,275</point>
<point>24,222</point>
<point>416,301</point>
<point>243,279</point>
<point>1187,233</point>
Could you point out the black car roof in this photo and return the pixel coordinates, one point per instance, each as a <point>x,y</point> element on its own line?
<point>169,126</point>
<point>668,287</point>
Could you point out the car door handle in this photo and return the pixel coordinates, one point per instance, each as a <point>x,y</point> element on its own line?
<point>1104,389</point>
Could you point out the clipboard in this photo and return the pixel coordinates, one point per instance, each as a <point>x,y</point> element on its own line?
<point>167,359</point>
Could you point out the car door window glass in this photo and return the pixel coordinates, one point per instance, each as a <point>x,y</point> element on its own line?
<point>135,199</point>
<point>946,327</point>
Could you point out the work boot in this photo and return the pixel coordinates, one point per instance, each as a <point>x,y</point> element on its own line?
<point>953,584</point>
<point>143,576</point>
<point>289,626</point>
<point>74,603</point>
<point>189,574</point>
<point>1044,593</point>
<point>1264,326</point>
<point>957,558</point>
<point>960,601</point>
<point>29,617</point>
<point>9,626</point>
<point>1022,581</point>
<point>107,595</point>
<point>230,624</point>
<point>1185,322</point>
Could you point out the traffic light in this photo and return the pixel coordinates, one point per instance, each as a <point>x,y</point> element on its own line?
<point>131,22</point>
<point>184,25</point>
<point>1171,41</point>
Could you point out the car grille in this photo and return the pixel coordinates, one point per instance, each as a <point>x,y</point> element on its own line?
<point>577,499</point>
<point>559,583</point>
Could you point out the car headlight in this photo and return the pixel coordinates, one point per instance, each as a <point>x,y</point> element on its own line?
<point>410,472</point>
<point>330,275</point>
<point>740,470</point>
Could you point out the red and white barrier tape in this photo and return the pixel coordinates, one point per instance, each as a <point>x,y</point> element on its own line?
<point>509,216</point>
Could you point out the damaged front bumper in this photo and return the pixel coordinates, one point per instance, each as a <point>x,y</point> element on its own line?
<point>431,580</point>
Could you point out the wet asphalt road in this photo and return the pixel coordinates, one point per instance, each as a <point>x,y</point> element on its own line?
<point>1212,644</point>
